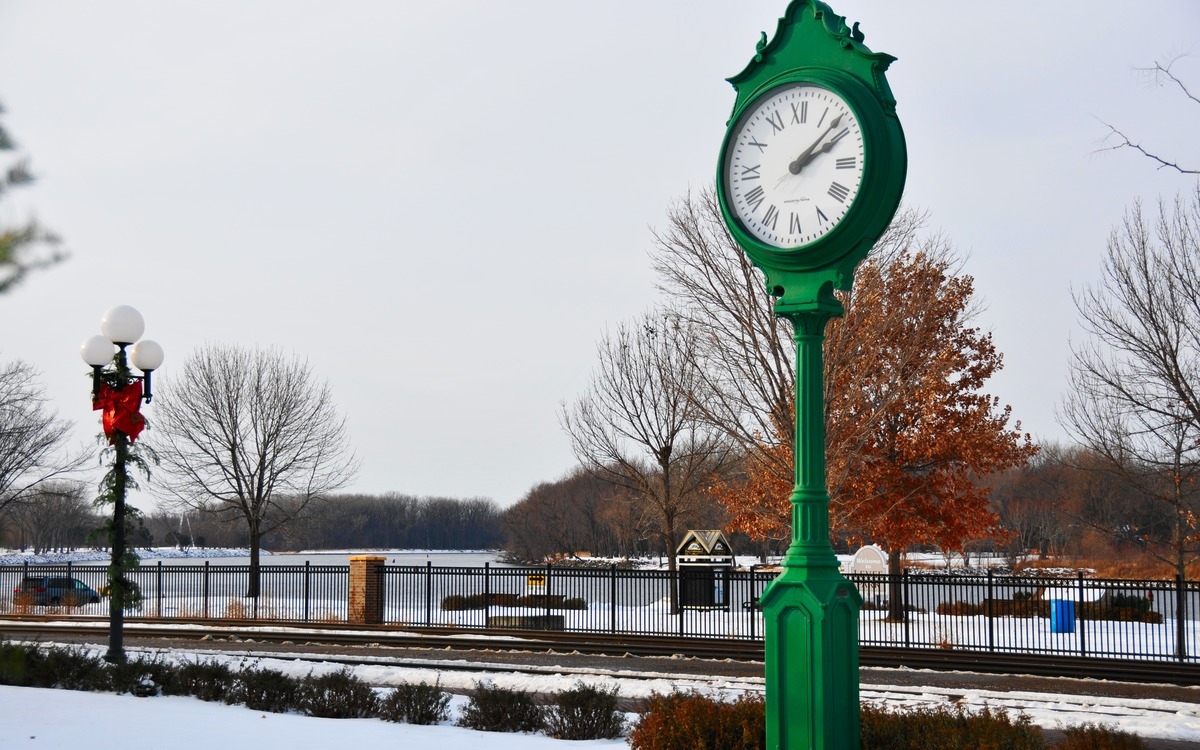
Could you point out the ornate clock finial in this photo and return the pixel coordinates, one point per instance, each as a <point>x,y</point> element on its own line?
<point>758,48</point>
<point>857,35</point>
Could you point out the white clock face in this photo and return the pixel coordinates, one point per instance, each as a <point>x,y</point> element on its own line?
<point>794,165</point>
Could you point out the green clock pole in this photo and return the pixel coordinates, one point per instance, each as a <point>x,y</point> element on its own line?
<point>811,610</point>
<point>806,203</point>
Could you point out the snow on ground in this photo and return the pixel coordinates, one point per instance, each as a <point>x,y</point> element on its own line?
<point>191,724</point>
<point>36,718</point>
<point>16,557</point>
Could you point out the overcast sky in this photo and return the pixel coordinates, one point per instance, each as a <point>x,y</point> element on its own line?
<point>441,205</point>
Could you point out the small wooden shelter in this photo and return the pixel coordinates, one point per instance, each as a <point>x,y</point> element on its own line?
<point>705,559</point>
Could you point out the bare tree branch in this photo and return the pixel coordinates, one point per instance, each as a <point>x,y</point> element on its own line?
<point>250,435</point>
<point>32,437</point>
<point>1132,400</point>
<point>1118,139</point>
<point>639,424</point>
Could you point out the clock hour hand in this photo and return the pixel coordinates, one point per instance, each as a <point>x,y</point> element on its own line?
<point>825,147</point>
<point>811,152</point>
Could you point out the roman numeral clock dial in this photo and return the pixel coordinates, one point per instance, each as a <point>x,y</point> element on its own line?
<point>794,165</point>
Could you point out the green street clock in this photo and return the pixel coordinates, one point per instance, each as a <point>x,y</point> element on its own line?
<point>810,174</point>
<point>794,165</point>
<point>813,163</point>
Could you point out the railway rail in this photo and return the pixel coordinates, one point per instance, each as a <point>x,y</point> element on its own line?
<point>333,635</point>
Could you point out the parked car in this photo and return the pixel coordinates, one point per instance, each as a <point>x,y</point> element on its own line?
<point>54,591</point>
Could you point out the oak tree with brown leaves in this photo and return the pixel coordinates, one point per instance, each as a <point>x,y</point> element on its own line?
<point>745,383</point>
<point>909,429</point>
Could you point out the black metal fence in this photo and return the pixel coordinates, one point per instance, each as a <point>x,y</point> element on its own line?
<point>304,593</point>
<point>991,613</point>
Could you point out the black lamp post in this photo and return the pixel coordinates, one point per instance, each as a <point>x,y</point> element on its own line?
<point>119,394</point>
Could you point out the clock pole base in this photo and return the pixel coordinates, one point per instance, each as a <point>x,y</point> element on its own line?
<point>812,660</point>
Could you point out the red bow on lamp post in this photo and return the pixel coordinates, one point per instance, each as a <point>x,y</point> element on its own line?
<point>121,410</point>
<point>118,394</point>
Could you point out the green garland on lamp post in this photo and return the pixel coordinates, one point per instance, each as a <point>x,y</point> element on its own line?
<point>118,394</point>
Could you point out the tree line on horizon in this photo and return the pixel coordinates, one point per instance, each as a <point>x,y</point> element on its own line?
<point>61,517</point>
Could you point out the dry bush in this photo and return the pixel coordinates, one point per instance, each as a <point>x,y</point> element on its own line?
<point>1093,737</point>
<point>1127,563</point>
<point>935,566</point>
<point>327,616</point>
<point>585,712</point>
<point>337,695</point>
<point>416,704</point>
<point>498,709</point>
<point>541,601</point>
<point>19,605</point>
<point>1141,565</point>
<point>1096,545</point>
<point>943,728</point>
<point>455,603</point>
<point>683,721</point>
<point>235,609</point>
<point>265,690</point>
<point>241,608</point>
<point>206,679</point>
<point>960,609</point>
<point>189,612</point>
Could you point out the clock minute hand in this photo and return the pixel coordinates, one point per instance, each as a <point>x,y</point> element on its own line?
<point>811,152</point>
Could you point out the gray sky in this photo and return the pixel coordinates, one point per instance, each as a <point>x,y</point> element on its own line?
<point>442,204</point>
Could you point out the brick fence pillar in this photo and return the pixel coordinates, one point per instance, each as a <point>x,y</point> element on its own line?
<point>365,605</point>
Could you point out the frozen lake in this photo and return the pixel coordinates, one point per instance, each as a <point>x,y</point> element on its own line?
<point>439,558</point>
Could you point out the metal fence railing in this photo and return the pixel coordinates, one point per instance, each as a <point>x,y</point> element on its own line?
<point>1106,618</point>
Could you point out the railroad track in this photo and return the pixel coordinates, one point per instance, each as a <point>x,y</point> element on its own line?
<point>330,635</point>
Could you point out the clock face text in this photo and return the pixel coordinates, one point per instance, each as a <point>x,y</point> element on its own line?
<point>794,165</point>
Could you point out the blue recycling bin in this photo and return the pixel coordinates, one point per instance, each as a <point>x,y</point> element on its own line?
<point>1062,616</point>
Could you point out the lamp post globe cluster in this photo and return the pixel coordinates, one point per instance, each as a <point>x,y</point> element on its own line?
<point>122,327</point>
<point>118,393</point>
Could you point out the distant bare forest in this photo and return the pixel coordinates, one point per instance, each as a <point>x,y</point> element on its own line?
<point>390,521</point>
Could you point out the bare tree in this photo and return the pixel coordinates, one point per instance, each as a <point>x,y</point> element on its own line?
<point>1037,503</point>
<point>746,354</point>
<point>250,435</point>
<point>32,437</point>
<point>1132,397</point>
<point>56,516</point>
<point>566,517</point>
<point>1159,75</point>
<point>640,426</point>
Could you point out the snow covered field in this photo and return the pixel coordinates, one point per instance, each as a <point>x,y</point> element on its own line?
<point>31,717</point>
